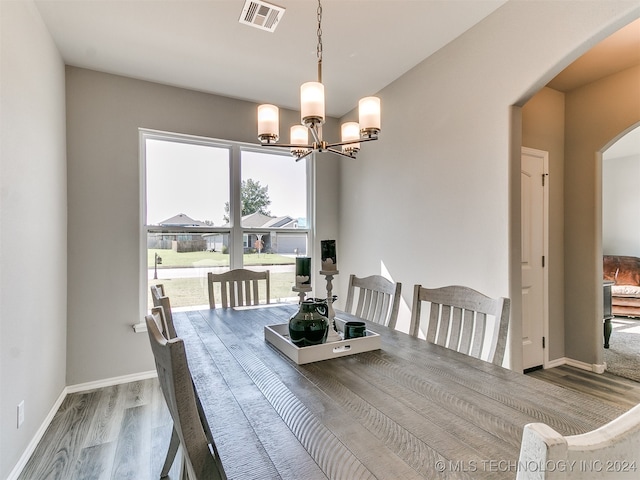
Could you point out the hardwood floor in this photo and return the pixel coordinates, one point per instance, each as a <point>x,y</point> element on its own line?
<point>122,432</point>
<point>606,387</point>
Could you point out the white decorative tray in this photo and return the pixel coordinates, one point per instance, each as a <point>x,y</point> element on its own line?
<point>278,336</point>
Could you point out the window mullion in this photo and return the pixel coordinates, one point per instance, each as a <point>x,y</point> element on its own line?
<point>237,250</point>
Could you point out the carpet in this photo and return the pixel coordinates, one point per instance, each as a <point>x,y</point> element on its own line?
<point>623,354</point>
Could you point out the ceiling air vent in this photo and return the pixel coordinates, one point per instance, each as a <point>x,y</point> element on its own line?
<point>262,15</point>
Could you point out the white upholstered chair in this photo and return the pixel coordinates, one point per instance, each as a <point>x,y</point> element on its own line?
<point>459,319</point>
<point>611,451</point>
<point>238,287</point>
<point>376,299</point>
<point>200,458</point>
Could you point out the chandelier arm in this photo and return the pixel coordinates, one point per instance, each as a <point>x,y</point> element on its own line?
<point>351,142</point>
<point>315,134</point>
<point>338,152</point>
<point>288,145</point>
<point>305,155</point>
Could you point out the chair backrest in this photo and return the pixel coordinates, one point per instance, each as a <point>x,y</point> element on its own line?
<point>157,313</point>
<point>460,318</point>
<point>238,287</point>
<point>157,291</point>
<point>378,299</point>
<point>161,300</point>
<point>180,397</point>
<point>611,450</point>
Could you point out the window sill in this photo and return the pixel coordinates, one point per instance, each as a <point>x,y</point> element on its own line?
<point>140,327</point>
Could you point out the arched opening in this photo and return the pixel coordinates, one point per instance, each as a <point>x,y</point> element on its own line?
<point>620,163</point>
<point>574,119</point>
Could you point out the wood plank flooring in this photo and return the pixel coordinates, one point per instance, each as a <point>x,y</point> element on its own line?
<point>122,432</point>
<point>606,387</point>
<point>119,432</point>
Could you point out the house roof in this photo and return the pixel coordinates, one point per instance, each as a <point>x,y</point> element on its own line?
<point>181,220</point>
<point>255,219</point>
<point>259,220</point>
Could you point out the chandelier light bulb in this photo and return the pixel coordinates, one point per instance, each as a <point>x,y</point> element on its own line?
<point>312,103</point>
<point>299,136</point>
<point>369,112</point>
<point>268,123</point>
<point>350,133</point>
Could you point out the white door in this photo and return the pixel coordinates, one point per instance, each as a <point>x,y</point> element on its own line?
<point>535,180</point>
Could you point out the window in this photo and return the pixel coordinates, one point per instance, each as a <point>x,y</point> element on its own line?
<point>210,206</point>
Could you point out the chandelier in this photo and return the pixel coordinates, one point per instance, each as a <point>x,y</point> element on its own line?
<point>313,116</point>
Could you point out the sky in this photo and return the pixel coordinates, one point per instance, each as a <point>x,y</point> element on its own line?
<point>194,180</point>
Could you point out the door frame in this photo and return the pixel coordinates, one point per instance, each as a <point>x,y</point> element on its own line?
<point>544,157</point>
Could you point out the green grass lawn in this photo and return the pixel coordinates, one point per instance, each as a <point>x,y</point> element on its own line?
<point>188,292</point>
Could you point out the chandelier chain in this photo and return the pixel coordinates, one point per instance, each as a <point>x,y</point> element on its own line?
<point>319,48</point>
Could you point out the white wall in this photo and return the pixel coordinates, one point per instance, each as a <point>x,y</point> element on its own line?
<point>33,227</point>
<point>621,205</point>
<point>436,200</point>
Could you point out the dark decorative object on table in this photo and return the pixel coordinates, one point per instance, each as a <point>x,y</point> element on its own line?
<point>328,255</point>
<point>309,325</point>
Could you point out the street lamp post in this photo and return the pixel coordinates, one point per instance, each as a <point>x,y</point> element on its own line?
<point>158,261</point>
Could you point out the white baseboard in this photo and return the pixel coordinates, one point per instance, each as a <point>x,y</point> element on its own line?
<point>556,363</point>
<point>109,382</point>
<point>82,387</point>
<point>590,367</point>
<point>26,455</point>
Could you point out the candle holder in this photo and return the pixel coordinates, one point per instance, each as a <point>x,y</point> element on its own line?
<point>333,335</point>
<point>302,291</point>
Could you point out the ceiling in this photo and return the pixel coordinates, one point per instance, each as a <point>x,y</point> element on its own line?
<point>200,45</point>
<point>613,54</point>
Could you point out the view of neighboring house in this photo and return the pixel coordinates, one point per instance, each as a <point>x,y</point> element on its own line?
<point>269,241</point>
<point>178,241</point>
<point>274,242</point>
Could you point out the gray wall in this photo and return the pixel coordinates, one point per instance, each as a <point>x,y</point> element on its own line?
<point>104,113</point>
<point>33,228</point>
<point>445,174</point>
<point>543,128</point>
<point>607,108</point>
<point>596,115</point>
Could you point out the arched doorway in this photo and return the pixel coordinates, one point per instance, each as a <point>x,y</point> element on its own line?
<point>573,122</point>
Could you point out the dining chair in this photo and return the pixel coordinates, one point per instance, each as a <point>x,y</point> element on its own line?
<point>157,291</point>
<point>238,287</point>
<point>161,300</point>
<point>378,299</point>
<point>157,313</point>
<point>459,319</point>
<point>200,458</point>
<point>610,451</point>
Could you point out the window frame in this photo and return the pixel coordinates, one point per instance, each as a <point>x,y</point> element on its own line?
<point>235,230</point>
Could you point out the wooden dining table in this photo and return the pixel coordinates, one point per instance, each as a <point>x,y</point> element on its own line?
<point>409,410</point>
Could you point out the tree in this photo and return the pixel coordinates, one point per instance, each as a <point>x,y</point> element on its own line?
<point>254,198</point>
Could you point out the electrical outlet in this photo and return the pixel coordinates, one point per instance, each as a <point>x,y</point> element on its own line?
<point>20,413</point>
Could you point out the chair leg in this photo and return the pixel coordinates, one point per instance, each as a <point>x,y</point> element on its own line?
<point>184,471</point>
<point>171,453</point>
